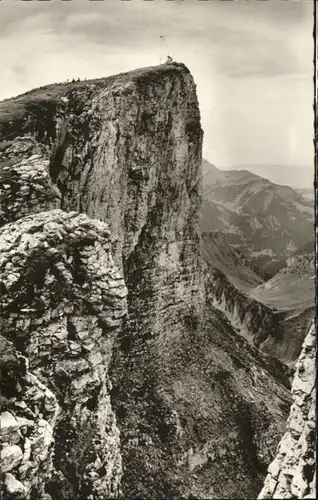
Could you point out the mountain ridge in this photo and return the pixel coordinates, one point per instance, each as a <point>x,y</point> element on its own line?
<point>289,175</point>
<point>273,315</point>
<point>251,211</point>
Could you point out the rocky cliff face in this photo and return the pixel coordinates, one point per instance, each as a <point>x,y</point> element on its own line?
<point>253,320</point>
<point>28,416</point>
<point>107,148</point>
<point>63,300</point>
<point>292,473</point>
<point>273,315</point>
<point>153,395</point>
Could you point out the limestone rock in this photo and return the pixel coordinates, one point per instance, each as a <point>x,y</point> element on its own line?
<point>291,475</point>
<point>166,391</point>
<point>13,487</point>
<point>11,456</point>
<point>25,182</point>
<point>50,269</point>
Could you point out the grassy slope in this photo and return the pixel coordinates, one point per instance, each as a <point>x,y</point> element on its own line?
<point>15,108</point>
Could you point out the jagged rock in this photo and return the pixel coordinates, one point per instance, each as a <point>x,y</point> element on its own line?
<point>25,182</point>
<point>292,473</point>
<point>27,461</point>
<point>11,456</point>
<point>13,488</point>
<point>49,274</point>
<point>8,423</point>
<point>185,387</point>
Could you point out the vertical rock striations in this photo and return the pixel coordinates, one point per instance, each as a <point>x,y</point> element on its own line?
<point>126,150</point>
<point>199,410</point>
<point>292,473</point>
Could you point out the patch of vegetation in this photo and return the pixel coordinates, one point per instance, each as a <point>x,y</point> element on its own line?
<point>247,443</point>
<point>222,375</point>
<point>73,451</point>
<point>193,130</point>
<point>237,362</point>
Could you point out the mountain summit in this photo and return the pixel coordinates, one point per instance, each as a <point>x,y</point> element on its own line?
<point>252,212</point>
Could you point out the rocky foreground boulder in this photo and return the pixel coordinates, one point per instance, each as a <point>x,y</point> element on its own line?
<point>293,472</point>
<point>120,379</point>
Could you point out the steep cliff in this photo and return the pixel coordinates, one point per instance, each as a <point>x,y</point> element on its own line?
<point>292,473</point>
<point>199,410</point>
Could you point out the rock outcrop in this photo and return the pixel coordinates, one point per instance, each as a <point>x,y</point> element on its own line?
<point>29,413</point>
<point>25,182</point>
<point>157,396</point>
<point>63,300</point>
<point>293,472</point>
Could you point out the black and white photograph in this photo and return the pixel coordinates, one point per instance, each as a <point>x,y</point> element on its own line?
<point>158,249</point>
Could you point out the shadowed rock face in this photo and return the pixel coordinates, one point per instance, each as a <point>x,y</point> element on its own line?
<point>199,410</point>
<point>292,473</point>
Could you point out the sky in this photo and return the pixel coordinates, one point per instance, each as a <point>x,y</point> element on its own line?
<point>251,61</point>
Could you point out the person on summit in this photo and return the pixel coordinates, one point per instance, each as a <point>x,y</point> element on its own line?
<point>169,60</point>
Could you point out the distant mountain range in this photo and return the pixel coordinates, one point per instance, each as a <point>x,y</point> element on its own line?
<point>293,176</point>
<point>307,192</point>
<point>265,221</point>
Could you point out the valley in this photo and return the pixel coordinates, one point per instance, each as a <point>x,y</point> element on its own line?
<point>273,314</point>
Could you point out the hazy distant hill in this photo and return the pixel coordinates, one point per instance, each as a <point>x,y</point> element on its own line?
<point>295,177</point>
<point>265,220</point>
<point>293,287</point>
<point>307,192</point>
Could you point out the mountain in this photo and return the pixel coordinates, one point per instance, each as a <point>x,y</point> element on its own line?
<point>120,378</point>
<point>292,288</point>
<point>307,192</point>
<point>273,315</point>
<point>252,211</point>
<point>218,253</point>
<point>293,176</point>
